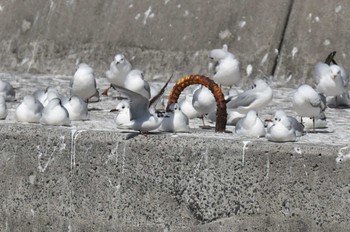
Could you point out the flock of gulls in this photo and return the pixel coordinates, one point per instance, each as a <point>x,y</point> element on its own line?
<point>140,106</point>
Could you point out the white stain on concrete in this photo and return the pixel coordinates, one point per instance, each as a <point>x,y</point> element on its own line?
<point>267,167</point>
<point>309,19</point>
<point>276,51</point>
<point>338,9</point>
<point>1,8</point>
<point>32,179</point>
<point>238,38</point>
<point>326,42</point>
<point>74,136</point>
<point>32,211</point>
<point>297,150</point>
<point>70,2</point>
<point>187,13</point>
<point>137,17</point>
<point>42,165</point>
<point>245,147</point>
<point>343,155</point>
<point>249,69</point>
<point>166,2</point>
<point>343,55</point>
<point>288,78</point>
<point>148,14</point>
<point>317,19</point>
<point>225,34</point>
<point>242,24</point>
<point>179,6</point>
<point>294,52</point>
<point>131,6</point>
<point>63,144</point>
<point>264,59</point>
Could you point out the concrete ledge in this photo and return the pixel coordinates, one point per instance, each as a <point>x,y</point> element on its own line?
<point>62,179</point>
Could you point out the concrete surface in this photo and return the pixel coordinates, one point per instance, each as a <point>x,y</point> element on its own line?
<point>159,37</point>
<point>66,180</point>
<point>315,29</point>
<point>94,177</point>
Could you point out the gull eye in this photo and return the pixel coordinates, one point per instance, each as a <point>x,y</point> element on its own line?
<point>276,119</point>
<point>123,107</point>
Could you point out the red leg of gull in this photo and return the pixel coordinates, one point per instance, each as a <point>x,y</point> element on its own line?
<point>105,93</point>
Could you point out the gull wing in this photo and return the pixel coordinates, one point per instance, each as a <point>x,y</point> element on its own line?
<point>319,102</point>
<point>138,103</point>
<point>244,99</point>
<point>344,75</point>
<point>320,70</point>
<point>162,90</point>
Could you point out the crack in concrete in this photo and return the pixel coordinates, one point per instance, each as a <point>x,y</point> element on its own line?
<point>281,42</point>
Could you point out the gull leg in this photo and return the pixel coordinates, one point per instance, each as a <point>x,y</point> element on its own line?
<point>204,126</point>
<point>313,123</point>
<point>105,93</point>
<point>336,102</point>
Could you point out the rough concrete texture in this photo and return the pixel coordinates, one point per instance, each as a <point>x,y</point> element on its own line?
<point>159,37</point>
<point>89,177</point>
<point>75,180</point>
<point>314,29</point>
<point>93,177</point>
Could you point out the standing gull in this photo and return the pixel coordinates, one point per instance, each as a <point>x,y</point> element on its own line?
<point>83,83</point>
<point>308,103</point>
<point>135,82</point>
<point>203,102</point>
<point>224,66</point>
<point>331,79</point>
<point>118,70</point>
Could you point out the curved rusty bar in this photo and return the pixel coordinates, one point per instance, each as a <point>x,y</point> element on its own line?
<point>221,113</point>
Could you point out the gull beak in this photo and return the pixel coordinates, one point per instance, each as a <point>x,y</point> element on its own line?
<point>268,122</point>
<point>334,76</point>
<point>114,110</point>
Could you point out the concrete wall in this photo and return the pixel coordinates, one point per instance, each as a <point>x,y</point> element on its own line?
<point>173,36</point>
<point>160,37</point>
<point>57,179</point>
<point>314,29</point>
